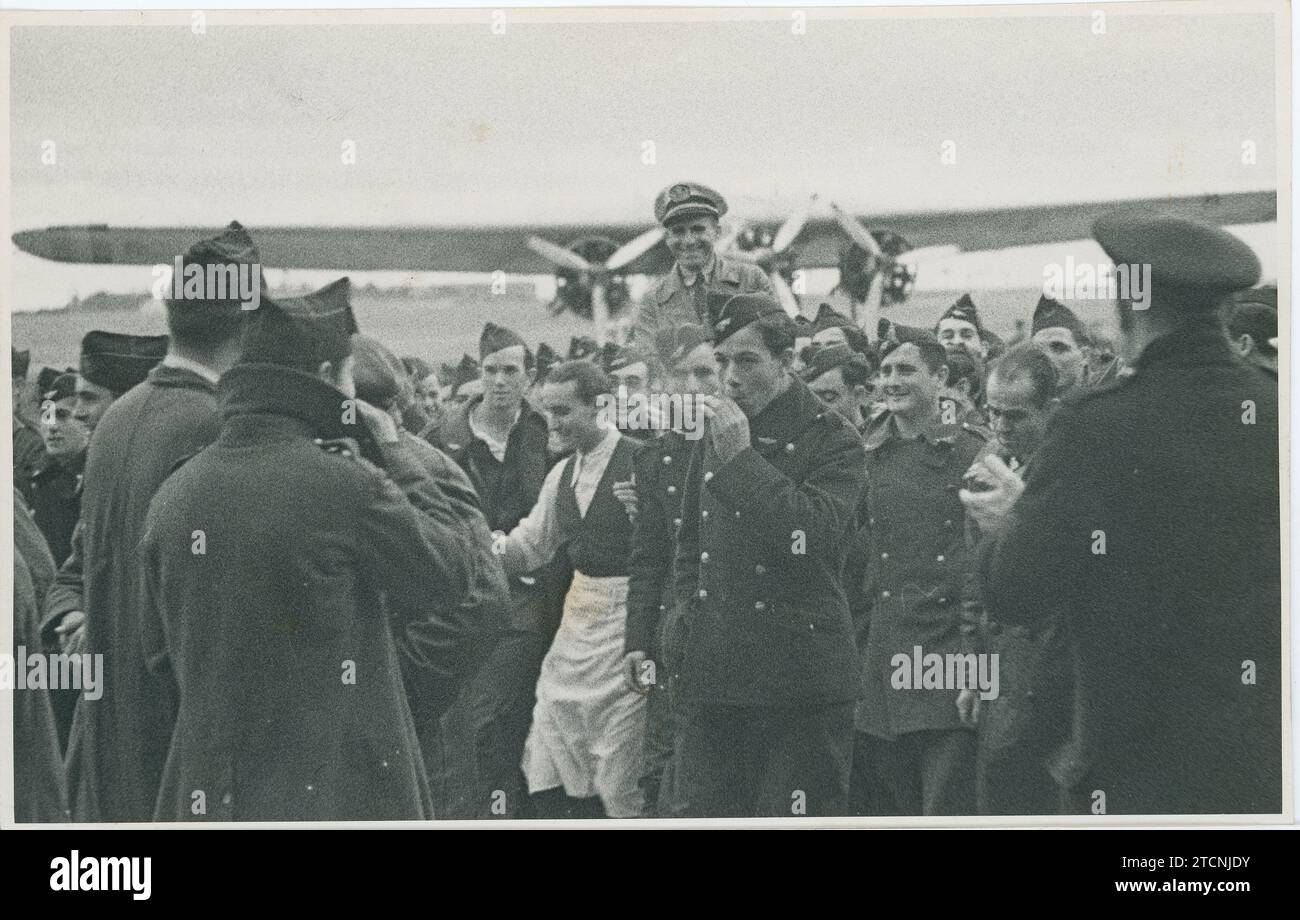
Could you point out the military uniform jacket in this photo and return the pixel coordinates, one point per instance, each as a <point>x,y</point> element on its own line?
<point>56,505</point>
<point>1177,621</point>
<point>661,467</point>
<point>279,634</point>
<point>670,302</point>
<point>29,454</point>
<point>119,742</point>
<point>759,558</point>
<point>508,489</point>
<point>917,566</point>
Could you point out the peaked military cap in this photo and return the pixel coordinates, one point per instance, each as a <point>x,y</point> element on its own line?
<point>117,361</point>
<point>688,199</point>
<point>20,362</point>
<point>495,338</point>
<point>740,310</point>
<point>964,310</point>
<point>676,342</point>
<point>1051,314</point>
<point>1182,253</point>
<point>302,332</point>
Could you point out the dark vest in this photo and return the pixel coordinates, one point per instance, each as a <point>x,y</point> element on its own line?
<point>600,544</point>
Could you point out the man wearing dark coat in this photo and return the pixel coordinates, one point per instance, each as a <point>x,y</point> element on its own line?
<point>1152,513</point>
<point>652,623</point>
<point>119,742</point>
<point>26,436</point>
<point>500,441</point>
<point>280,614</point>
<point>56,482</point>
<point>769,668</point>
<point>914,756</point>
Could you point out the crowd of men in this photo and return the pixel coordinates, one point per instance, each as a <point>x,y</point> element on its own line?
<point>901,571</point>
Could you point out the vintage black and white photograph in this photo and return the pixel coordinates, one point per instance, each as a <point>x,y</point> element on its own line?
<point>635,417</point>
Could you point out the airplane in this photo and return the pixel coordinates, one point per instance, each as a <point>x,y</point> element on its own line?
<point>877,266</point>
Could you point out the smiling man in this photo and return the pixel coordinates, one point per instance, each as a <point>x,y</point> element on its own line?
<point>769,666</point>
<point>913,756</point>
<point>583,753</point>
<point>960,327</point>
<point>689,213</point>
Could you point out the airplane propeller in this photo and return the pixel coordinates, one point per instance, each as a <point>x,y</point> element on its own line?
<point>768,257</point>
<point>597,274</point>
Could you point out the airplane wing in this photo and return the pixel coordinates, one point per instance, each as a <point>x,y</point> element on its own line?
<point>504,248</point>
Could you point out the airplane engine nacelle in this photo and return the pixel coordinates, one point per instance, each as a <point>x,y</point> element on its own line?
<point>858,270</point>
<point>573,287</point>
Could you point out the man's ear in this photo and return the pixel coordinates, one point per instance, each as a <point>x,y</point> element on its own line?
<point>1244,344</point>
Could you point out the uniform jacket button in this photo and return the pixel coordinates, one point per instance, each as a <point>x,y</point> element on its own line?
<point>789,447</point>
<point>708,475</point>
<point>704,557</point>
<point>885,594</point>
<point>704,515</point>
<point>760,605</point>
<point>677,522</point>
<point>672,490</point>
<point>668,459</point>
<point>938,558</point>
<point>759,570</point>
<point>737,514</point>
<point>943,600</point>
<point>703,594</point>
<point>884,555</point>
<point>227,799</point>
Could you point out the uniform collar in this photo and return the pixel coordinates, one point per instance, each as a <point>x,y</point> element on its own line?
<point>883,428</point>
<point>720,269</point>
<point>1187,346</point>
<point>786,415</point>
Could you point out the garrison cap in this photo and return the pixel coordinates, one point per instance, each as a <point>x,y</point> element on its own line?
<point>688,199</point>
<point>47,375</point>
<point>964,310</point>
<point>829,318</point>
<point>117,361</point>
<point>889,331</point>
<point>547,358</point>
<point>20,362</point>
<point>302,332</point>
<point>1182,253</point>
<point>825,359</point>
<point>676,342</point>
<point>495,338</point>
<point>620,357</point>
<point>1051,314</point>
<point>581,346</point>
<point>231,247</point>
<point>376,371</point>
<point>465,372</point>
<point>740,310</point>
<point>63,386</point>
<point>1257,320</point>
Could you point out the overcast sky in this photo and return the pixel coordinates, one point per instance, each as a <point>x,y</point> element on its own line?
<point>453,124</point>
